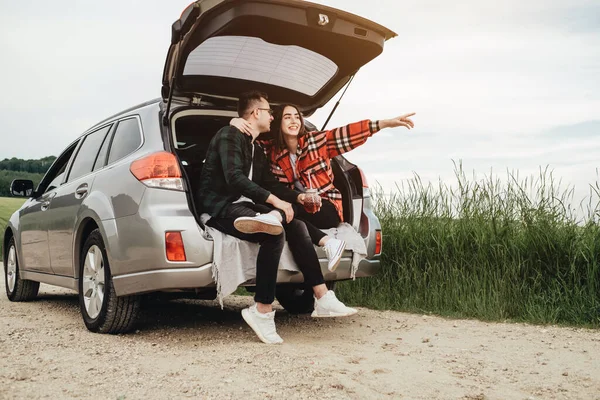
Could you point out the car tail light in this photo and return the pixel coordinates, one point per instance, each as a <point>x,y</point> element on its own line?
<point>377,242</point>
<point>174,245</point>
<point>159,170</point>
<point>363,178</point>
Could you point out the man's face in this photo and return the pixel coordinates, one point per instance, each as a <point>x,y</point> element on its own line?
<point>264,116</point>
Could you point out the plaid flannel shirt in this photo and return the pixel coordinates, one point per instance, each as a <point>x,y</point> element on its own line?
<point>224,177</point>
<point>315,150</point>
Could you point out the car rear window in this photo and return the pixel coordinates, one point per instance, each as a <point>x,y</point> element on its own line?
<point>253,59</point>
<point>126,140</point>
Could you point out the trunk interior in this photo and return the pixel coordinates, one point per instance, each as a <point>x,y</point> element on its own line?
<point>193,131</point>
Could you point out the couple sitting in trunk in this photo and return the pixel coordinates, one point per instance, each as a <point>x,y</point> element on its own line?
<point>240,191</point>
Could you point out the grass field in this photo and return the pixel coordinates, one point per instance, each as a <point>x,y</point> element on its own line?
<point>488,249</point>
<point>8,205</point>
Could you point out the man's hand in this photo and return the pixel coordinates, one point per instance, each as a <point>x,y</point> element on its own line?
<point>402,120</point>
<point>243,126</point>
<point>283,206</point>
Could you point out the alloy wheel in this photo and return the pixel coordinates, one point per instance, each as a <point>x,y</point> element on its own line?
<point>93,281</point>
<point>11,269</point>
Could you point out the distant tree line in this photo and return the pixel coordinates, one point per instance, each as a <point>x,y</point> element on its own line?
<point>33,166</point>
<point>16,168</point>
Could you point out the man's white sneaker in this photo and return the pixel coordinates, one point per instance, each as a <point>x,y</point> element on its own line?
<point>262,324</point>
<point>330,306</point>
<point>334,248</point>
<point>262,223</point>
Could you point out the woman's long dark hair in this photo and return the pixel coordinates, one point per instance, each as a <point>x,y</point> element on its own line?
<point>277,134</point>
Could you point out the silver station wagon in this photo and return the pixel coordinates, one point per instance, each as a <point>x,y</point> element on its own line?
<point>115,218</point>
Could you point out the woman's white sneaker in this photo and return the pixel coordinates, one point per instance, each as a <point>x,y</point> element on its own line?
<point>262,223</point>
<point>334,248</point>
<point>330,306</point>
<point>262,324</point>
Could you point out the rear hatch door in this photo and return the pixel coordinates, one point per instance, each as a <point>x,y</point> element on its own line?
<point>295,51</point>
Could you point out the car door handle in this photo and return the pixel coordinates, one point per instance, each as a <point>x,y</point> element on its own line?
<point>81,191</point>
<point>46,200</point>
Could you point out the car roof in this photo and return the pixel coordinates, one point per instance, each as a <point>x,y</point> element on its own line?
<point>114,116</point>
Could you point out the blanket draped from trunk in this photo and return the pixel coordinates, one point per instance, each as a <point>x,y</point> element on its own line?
<point>234,260</point>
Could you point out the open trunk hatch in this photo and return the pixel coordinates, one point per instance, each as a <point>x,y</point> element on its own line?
<point>294,50</point>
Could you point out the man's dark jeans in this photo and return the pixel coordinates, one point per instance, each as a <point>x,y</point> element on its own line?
<point>271,246</point>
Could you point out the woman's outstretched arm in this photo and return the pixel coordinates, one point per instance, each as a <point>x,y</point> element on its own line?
<point>343,139</point>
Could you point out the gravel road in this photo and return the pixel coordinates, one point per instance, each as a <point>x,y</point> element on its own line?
<point>193,349</point>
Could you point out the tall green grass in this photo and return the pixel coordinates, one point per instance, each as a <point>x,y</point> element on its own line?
<point>492,249</point>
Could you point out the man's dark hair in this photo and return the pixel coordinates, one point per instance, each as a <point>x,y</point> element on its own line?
<point>248,101</point>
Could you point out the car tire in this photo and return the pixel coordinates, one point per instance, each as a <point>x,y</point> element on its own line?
<point>297,300</point>
<point>17,289</point>
<point>102,310</point>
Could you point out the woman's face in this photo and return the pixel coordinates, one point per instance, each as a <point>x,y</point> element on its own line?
<point>291,121</point>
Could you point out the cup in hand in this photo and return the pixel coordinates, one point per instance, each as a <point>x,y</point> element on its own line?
<point>312,201</point>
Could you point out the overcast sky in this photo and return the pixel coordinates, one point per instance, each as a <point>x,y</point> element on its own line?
<point>497,84</point>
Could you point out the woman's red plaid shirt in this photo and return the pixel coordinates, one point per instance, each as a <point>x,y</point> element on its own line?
<point>315,150</point>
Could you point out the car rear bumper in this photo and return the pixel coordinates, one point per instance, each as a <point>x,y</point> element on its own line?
<point>191,278</point>
<point>136,243</point>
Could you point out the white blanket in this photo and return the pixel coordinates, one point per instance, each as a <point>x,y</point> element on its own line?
<point>234,260</point>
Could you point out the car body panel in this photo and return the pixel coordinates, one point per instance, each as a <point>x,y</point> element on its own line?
<point>160,211</point>
<point>118,190</point>
<point>66,282</point>
<point>60,219</point>
<point>32,237</point>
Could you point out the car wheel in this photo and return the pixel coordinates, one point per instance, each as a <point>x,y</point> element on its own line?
<point>102,310</point>
<point>297,300</point>
<point>17,289</point>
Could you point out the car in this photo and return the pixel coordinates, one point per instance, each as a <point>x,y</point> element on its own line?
<point>115,216</point>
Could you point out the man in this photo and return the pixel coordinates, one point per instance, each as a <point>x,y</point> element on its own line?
<point>243,198</point>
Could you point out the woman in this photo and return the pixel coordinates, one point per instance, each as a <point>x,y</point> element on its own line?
<point>302,159</point>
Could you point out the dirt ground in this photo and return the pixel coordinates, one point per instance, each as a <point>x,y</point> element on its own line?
<point>192,349</point>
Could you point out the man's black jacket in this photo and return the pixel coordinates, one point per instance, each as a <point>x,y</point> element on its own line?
<point>224,176</point>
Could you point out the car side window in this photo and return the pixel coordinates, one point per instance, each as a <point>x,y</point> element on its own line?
<point>101,158</point>
<point>54,176</point>
<point>56,181</point>
<point>88,151</point>
<point>126,140</point>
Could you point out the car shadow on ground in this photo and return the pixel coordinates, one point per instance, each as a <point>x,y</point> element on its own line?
<point>159,314</point>
<point>62,301</point>
<point>202,313</point>
<point>200,323</point>
<point>156,315</point>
